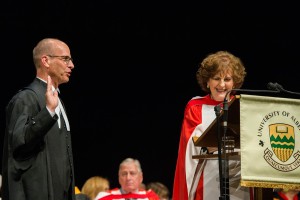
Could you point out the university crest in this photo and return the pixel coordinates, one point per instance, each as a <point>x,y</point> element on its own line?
<point>282,142</point>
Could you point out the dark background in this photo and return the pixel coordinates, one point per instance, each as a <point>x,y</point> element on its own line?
<point>135,65</point>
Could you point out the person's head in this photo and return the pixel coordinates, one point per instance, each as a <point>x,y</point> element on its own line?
<point>219,73</point>
<point>160,189</point>
<point>94,185</point>
<point>52,57</point>
<point>130,175</point>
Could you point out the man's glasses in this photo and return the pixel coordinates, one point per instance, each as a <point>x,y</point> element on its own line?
<point>66,59</point>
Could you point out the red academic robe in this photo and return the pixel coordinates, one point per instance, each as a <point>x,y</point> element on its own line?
<point>198,115</point>
<point>117,194</point>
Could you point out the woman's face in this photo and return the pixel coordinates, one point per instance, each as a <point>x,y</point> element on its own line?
<point>219,85</point>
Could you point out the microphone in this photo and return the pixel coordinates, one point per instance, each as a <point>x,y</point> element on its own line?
<point>272,89</point>
<point>278,87</point>
<point>272,86</point>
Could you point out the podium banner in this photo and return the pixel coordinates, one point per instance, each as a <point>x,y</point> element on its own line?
<point>270,142</point>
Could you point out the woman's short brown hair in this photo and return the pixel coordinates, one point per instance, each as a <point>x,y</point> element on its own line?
<point>221,61</point>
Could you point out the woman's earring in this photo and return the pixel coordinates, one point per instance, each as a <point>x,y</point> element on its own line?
<point>207,86</point>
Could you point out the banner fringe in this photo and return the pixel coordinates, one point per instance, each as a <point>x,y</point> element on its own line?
<point>261,184</point>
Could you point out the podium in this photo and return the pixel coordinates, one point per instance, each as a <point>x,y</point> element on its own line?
<point>263,140</point>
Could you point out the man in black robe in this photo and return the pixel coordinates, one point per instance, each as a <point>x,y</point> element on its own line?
<point>37,152</point>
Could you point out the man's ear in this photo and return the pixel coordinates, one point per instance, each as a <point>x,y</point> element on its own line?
<point>45,60</point>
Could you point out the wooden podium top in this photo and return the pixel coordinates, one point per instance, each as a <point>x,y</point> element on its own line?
<point>210,137</point>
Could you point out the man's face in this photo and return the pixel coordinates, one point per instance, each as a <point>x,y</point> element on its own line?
<point>60,64</point>
<point>130,178</point>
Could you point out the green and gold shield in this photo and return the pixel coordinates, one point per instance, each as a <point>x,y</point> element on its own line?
<point>282,139</point>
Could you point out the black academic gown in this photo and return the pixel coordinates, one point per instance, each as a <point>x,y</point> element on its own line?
<point>37,156</point>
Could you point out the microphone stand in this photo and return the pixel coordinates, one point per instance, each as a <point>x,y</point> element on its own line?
<point>217,109</point>
<point>225,161</point>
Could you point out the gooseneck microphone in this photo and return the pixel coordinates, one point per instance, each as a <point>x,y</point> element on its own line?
<point>273,88</point>
<point>279,88</point>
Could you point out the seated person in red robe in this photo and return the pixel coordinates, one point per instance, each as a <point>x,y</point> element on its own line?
<point>130,179</point>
